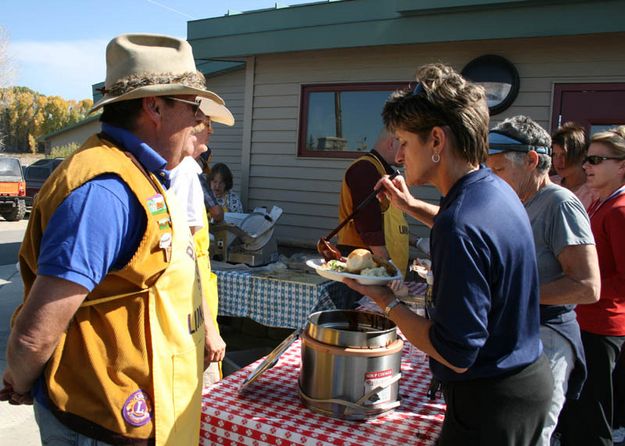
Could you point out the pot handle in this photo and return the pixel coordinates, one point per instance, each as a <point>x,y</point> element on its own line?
<point>377,390</point>
<point>358,406</point>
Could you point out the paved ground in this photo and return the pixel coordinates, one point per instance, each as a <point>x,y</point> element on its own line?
<point>247,341</point>
<point>17,423</point>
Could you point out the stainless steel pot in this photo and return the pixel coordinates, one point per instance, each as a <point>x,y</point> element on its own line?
<point>351,364</point>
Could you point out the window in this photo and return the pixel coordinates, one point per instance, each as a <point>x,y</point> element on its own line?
<point>498,76</point>
<point>342,120</point>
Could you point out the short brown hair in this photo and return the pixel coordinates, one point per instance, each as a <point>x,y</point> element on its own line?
<point>572,138</point>
<point>442,98</point>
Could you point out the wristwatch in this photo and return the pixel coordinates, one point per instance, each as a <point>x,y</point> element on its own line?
<point>390,306</point>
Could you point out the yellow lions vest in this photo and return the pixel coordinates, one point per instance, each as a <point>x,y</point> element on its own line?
<point>131,359</point>
<point>396,232</point>
<point>209,278</point>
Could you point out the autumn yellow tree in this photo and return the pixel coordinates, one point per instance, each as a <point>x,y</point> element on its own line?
<point>26,115</point>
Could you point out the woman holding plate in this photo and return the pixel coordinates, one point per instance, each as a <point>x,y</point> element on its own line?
<point>483,336</point>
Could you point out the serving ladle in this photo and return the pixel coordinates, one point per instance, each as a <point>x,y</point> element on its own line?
<point>324,247</point>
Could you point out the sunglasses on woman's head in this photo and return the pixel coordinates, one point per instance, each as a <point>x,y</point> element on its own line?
<point>418,89</point>
<point>596,159</point>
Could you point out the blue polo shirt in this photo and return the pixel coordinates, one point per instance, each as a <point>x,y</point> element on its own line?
<point>486,289</point>
<point>81,246</point>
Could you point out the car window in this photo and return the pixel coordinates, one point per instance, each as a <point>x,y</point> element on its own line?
<point>10,167</point>
<point>36,173</point>
<point>41,162</point>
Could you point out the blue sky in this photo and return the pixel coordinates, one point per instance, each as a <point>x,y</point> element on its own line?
<point>57,46</point>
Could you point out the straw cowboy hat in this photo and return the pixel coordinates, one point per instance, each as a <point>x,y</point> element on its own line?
<point>144,65</point>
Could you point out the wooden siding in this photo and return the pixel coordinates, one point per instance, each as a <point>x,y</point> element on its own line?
<point>226,142</point>
<point>307,189</point>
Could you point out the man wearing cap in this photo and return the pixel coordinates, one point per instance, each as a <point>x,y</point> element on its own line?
<point>519,152</point>
<point>113,334</point>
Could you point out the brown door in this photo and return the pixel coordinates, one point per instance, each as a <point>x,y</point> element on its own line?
<point>595,106</point>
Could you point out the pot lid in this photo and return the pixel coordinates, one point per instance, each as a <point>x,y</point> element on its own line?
<point>270,360</point>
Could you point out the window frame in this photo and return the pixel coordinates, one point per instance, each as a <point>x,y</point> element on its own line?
<point>305,91</point>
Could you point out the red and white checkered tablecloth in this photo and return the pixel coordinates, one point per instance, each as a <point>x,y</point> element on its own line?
<point>271,413</point>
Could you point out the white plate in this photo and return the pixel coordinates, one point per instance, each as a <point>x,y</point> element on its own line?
<point>421,267</point>
<point>317,264</point>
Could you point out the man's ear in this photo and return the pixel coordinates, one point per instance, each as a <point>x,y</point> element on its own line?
<point>151,108</point>
<point>532,159</point>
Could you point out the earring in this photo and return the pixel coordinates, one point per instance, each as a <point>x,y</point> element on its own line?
<point>436,158</point>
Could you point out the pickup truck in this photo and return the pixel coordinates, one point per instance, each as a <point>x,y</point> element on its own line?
<point>12,189</point>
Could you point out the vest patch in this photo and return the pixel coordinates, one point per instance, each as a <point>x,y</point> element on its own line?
<point>156,204</point>
<point>164,223</point>
<point>137,409</point>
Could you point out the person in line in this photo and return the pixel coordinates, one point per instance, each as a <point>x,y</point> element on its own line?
<point>483,337</point>
<point>185,184</point>
<point>113,334</point>
<point>588,421</point>
<point>213,208</point>
<point>519,153</point>
<point>221,182</point>
<point>569,150</point>
<point>379,227</point>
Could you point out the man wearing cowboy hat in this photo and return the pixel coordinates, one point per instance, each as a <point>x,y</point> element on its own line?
<point>113,335</point>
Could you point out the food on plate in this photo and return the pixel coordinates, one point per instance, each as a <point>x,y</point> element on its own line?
<point>362,262</point>
<point>359,259</point>
<point>336,265</point>
<point>379,271</point>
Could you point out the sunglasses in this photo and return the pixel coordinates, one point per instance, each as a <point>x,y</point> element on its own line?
<point>195,105</point>
<point>418,89</point>
<point>593,160</point>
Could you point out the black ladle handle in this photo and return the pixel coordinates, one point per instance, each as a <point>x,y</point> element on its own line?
<point>364,203</point>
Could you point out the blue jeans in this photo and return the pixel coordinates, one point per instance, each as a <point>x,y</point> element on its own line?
<point>55,433</point>
<point>559,352</point>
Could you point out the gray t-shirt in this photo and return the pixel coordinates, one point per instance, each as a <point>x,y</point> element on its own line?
<point>558,220</point>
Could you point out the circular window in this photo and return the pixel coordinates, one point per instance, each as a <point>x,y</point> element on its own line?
<point>498,76</point>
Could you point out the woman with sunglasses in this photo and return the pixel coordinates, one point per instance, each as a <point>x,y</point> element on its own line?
<point>483,337</point>
<point>588,421</point>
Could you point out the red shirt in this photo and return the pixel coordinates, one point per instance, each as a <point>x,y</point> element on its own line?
<point>607,317</point>
<point>361,178</point>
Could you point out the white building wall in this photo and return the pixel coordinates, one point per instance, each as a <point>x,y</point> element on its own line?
<point>226,142</point>
<point>75,135</point>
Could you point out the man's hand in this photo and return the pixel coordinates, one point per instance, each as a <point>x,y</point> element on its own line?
<point>215,347</point>
<point>7,393</point>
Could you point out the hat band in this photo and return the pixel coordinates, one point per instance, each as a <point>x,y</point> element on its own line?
<point>134,81</point>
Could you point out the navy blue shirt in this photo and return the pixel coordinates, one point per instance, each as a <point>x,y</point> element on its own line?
<point>486,288</point>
